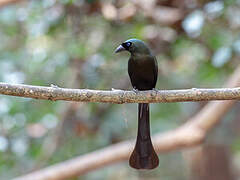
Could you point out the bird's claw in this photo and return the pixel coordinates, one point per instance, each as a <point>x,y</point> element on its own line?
<point>155,90</point>
<point>135,90</point>
<point>54,86</point>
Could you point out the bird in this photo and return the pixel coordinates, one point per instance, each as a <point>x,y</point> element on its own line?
<point>143,73</point>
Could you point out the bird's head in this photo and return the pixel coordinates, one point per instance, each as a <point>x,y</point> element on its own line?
<point>134,46</point>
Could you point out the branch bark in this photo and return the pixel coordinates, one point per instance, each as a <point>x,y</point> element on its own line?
<point>119,96</point>
<point>190,134</point>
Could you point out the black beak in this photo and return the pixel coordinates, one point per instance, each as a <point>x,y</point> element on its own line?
<point>119,49</point>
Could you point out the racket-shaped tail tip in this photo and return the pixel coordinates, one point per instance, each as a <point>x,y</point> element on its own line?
<point>147,162</point>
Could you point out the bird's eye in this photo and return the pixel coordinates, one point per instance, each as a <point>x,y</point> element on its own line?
<point>128,44</point>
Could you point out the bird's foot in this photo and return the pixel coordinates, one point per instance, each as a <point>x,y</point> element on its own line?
<point>155,90</point>
<point>54,86</point>
<point>135,90</point>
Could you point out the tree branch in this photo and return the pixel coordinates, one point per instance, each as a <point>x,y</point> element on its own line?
<point>7,2</point>
<point>190,134</point>
<point>119,96</point>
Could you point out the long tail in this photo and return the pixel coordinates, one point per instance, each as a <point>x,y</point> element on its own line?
<point>143,155</point>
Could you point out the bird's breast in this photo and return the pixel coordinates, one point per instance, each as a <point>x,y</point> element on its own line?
<point>142,65</point>
<point>141,72</point>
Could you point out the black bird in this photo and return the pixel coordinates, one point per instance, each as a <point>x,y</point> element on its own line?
<point>143,73</point>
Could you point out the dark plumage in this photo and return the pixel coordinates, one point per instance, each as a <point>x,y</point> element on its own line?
<point>143,73</point>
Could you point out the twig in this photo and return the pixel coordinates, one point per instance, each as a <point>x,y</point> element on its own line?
<point>119,96</point>
<point>190,134</point>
